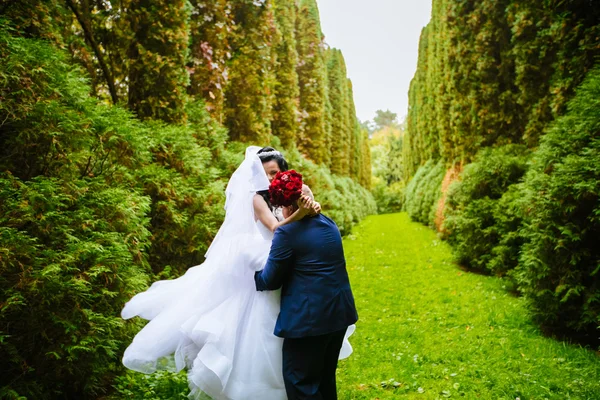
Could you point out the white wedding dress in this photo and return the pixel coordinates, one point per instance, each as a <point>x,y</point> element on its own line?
<point>212,319</point>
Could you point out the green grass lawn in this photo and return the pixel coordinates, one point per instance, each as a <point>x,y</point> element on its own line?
<point>428,330</point>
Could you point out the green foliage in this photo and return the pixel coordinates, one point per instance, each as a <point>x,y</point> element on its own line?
<point>94,204</point>
<point>285,109</point>
<point>88,186</point>
<point>211,26</point>
<point>553,46</point>
<point>560,262</point>
<point>483,214</point>
<point>357,160</point>
<point>158,55</point>
<point>162,384</point>
<point>249,93</point>
<point>259,67</point>
<point>389,198</point>
<point>495,72</point>
<point>341,130</point>
<point>312,78</point>
<point>72,254</point>
<point>365,172</point>
<point>387,184</point>
<point>424,191</point>
<point>385,119</point>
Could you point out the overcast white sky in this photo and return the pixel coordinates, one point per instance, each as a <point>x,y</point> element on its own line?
<point>380,42</point>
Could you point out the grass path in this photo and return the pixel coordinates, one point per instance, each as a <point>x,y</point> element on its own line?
<point>427,330</point>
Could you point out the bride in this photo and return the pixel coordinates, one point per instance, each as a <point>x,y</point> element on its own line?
<point>212,319</point>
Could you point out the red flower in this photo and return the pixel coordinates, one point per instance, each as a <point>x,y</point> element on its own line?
<point>286,188</point>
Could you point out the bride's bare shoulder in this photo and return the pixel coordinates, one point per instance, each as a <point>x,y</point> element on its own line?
<point>259,203</point>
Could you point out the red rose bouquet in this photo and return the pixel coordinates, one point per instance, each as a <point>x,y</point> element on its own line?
<point>285,189</point>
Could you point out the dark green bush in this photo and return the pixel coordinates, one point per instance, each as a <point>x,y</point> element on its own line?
<point>389,198</point>
<point>483,215</point>
<point>162,384</point>
<point>559,268</point>
<point>387,184</point>
<point>424,191</point>
<point>88,194</point>
<point>71,254</point>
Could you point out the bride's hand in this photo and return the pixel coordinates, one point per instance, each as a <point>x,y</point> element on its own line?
<point>316,209</point>
<point>305,205</point>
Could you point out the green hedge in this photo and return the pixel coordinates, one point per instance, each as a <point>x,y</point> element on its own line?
<point>424,191</point>
<point>482,214</point>
<point>559,267</point>
<point>389,198</point>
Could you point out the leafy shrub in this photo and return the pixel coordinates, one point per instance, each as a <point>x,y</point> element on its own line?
<point>389,198</point>
<point>77,170</point>
<point>71,254</point>
<point>483,214</point>
<point>386,161</point>
<point>163,384</point>
<point>560,262</point>
<point>423,192</point>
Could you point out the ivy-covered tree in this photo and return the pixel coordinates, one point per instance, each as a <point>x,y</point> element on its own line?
<point>365,175</point>
<point>553,45</point>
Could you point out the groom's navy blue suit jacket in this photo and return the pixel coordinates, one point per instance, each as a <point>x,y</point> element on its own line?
<point>307,261</point>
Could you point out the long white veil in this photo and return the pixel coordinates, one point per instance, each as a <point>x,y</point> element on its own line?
<point>249,178</point>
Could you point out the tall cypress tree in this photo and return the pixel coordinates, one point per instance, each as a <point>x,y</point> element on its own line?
<point>158,55</point>
<point>211,25</point>
<point>495,72</point>
<point>355,135</point>
<point>285,108</point>
<point>249,94</point>
<point>312,136</point>
<point>341,130</point>
<point>554,45</point>
<point>365,172</point>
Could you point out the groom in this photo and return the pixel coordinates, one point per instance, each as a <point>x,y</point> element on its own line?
<point>317,305</point>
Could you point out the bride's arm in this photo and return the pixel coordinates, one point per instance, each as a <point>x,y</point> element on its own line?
<point>264,214</point>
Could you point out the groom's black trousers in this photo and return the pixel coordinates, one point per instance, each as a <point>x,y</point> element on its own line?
<point>309,365</point>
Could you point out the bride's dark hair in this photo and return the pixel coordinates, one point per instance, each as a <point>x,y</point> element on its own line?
<point>267,154</point>
<point>270,154</point>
